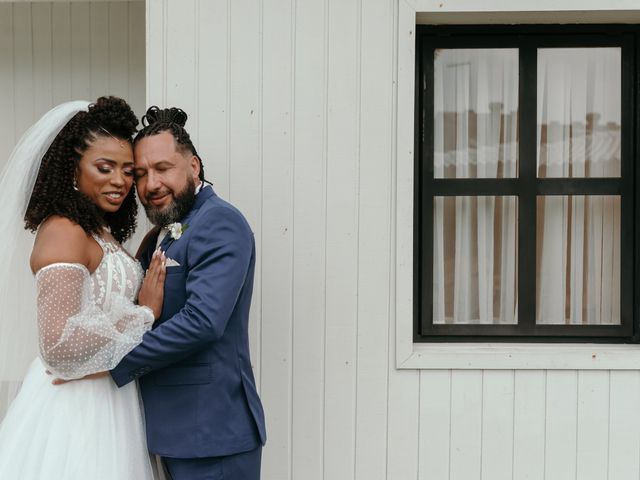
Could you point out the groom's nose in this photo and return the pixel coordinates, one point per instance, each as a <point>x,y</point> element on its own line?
<point>152,181</point>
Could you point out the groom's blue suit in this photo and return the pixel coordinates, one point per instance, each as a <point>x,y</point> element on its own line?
<point>195,375</point>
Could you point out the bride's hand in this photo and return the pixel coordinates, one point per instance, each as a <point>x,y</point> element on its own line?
<point>59,381</point>
<point>152,290</point>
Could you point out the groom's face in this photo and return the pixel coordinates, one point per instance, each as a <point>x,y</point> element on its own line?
<point>165,178</point>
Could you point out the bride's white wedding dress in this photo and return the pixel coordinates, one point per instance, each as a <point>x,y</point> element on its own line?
<point>86,429</point>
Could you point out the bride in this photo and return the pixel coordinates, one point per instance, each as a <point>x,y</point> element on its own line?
<point>70,178</point>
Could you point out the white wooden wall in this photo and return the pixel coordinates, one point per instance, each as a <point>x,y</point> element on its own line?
<point>292,105</point>
<point>51,52</point>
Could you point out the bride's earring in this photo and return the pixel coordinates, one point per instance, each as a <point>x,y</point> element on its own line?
<point>75,184</point>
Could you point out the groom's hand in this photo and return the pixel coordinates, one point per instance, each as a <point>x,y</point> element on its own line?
<point>59,381</point>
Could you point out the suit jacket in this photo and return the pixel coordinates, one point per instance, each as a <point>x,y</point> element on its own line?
<point>195,375</point>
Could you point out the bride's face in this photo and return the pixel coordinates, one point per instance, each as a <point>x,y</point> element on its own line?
<point>105,172</point>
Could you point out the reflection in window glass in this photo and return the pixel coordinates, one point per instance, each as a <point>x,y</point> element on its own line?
<point>476,113</point>
<point>579,100</point>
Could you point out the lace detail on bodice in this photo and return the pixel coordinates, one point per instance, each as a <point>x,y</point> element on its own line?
<point>118,273</point>
<point>88,322</point>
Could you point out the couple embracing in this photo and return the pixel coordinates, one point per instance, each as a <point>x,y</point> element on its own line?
<point>170,326</point>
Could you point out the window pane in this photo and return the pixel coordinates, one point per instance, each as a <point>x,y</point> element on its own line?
<point>579,100</point>
<point>474,260</point>
<point>578,260</point>
<point>476,113</point>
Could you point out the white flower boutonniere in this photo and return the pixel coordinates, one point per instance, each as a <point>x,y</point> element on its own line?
<point>176,230</point>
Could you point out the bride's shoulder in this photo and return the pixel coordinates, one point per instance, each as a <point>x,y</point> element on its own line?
<point>59,240</point>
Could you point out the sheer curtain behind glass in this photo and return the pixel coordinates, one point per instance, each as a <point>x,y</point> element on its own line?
<point>475,136</point>
<point>578,237</point>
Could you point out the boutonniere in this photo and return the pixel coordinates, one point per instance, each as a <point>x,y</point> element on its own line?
<point>176,230</point>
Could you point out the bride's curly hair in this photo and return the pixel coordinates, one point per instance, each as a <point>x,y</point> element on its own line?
<point>53,192</point>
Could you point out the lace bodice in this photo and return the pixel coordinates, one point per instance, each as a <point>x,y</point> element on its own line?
<point>88,322</point>
<point>117,274</point>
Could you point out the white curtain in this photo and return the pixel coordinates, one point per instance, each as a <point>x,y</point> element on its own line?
<point>475,136</point>
<point>578,244</point>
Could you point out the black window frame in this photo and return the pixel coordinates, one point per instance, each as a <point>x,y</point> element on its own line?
<point>527,38</point>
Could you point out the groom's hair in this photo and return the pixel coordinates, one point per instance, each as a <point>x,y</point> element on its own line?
<point>172,120</point>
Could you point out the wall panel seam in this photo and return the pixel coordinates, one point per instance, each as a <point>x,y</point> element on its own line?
<point>578,374</point>
<point>165,34</point>
<point>513,423</point>
<point>260,216</point>
<point>390,65</point>
<point>358,173</point>
<point>32,35</point>
<point>228,126</point>
<point>325,156</point>
<point>291,226</point>
<point>51,70</point>
<point>13,66</point>
<point>608,422</point>
<point>481,422</point>
<point>546,401</point>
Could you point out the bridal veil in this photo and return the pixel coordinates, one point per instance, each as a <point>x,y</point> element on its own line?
<point>18,323</point>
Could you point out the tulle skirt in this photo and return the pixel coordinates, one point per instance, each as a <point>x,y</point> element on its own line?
<point>88,429</point>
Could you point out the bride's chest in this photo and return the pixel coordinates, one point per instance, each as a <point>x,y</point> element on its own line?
<point>117,274</point>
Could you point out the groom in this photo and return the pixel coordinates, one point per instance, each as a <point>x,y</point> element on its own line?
<point>203,414</point>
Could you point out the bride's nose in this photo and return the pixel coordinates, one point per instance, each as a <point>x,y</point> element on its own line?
<point>118,179</point>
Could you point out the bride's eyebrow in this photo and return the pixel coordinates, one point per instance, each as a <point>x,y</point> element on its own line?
<point>110,161</point>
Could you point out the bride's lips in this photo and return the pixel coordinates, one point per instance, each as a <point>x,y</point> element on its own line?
<point>114,198</point>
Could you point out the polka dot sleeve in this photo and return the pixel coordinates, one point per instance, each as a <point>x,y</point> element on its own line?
<point>77,337</point>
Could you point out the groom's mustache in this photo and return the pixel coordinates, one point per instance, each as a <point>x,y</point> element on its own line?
<point>153,195</point>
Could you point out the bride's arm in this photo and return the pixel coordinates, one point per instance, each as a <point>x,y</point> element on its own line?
<point>59,240</point>
<point>77,338</point>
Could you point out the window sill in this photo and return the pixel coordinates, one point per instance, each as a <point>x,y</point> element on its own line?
<point>491,356</point>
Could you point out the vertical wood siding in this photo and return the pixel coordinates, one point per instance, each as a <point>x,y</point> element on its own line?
<point>55,52</point>
<point>292,104</point>
<point>52,52</point>
<point>309,242</point>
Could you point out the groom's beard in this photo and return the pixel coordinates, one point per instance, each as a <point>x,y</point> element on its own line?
<point>181,205</point>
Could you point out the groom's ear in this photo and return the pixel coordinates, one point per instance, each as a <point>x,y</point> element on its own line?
<point>195,167</point>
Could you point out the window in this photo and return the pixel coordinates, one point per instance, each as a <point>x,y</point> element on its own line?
<point>525,184</point>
